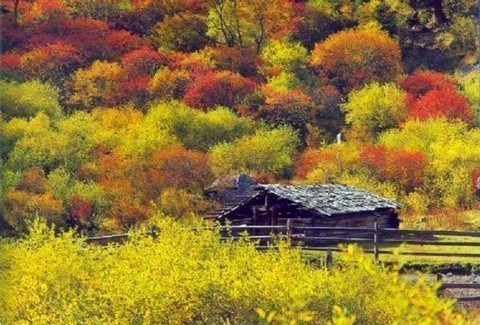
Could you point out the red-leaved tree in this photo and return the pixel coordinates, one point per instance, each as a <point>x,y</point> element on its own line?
<point>51,62</point>
<point>442,103</point>
<point>221,88</point>
<point>421,82</point>
<point>142,62</point>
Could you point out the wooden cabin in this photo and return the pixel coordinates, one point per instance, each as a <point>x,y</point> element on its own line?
<point>328,205</point>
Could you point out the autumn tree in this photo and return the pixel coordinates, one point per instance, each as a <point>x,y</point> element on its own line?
<point>470,88</point>
<point>181,32</point>
<point>132,90</point>
<point>267,151</point>
<point>25,100</point>
<point>169,84</point>
<point>320,19</point>
<point>81,212</point>
<point>30,199</point>
<point>44,11</point>
<point>220,88</point>
<point>10,65</point>
<point>284,56</point>
<point>403,167</point>
<point>249,22</point>
<point>37,144</point>
<point>437,103</point>
<point>329,118</point>
<point>142,62</point>
<point>352,58</point>
<point>329,164</point>
<point>196,129</point>
<point>421,82</point>
<point>53,62</point>
<point>94,39</point>
<point>96,9</point>
<point>177,168</point>
<point>242,60</point>
<point>94,86</point>
<point>452,151</point>
<point>310,159</point>
<point>197,64</point>
<point>285,64</point>
<point>375,108</point>
<point>287,107</point>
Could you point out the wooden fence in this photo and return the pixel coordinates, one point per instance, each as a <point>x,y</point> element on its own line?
<point>376,241</point>
<point>449,286</point>
<point>327,238</point>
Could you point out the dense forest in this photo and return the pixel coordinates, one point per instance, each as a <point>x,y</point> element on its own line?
<point>112,110</point>
<point>115,115</point>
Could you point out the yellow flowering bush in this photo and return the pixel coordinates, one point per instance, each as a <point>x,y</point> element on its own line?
<point>185,277</point>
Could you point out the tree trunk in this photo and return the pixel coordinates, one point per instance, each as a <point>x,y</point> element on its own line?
<point>15,11</point>
<point>439,13</point>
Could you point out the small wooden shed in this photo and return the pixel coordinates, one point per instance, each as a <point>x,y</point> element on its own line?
<point>328,205</point>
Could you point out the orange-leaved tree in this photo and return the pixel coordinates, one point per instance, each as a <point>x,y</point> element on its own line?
<point>402,167</point>
<point>352,58</point>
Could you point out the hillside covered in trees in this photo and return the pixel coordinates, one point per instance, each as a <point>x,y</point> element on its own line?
<point>113,110</point>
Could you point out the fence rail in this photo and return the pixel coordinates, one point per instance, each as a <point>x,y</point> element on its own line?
<point>327,238</point>
<point>446,286</point>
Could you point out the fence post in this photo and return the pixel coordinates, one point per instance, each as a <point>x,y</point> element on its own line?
<point>153,232</point>
<point>328,259</point>
<point>376,238</point>
<point>440,288</point>
<point>289,228</point>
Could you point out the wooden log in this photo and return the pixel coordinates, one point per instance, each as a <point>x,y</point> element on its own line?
<point>461,285</point>
<point>323,228</point>
<point>433,232</point>
<point>334,239</point>
<point>467,299</point>
<point>430,242</point>
<point>437,254</point>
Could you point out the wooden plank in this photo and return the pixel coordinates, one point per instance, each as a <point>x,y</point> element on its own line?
<point>467,299</point>
<point>245,237</point>
<point>430,242</point>
<point>336,239</point>
<point>332,249</point>
<point>253,227</point>
<point>110,237</point>
<point>321,249</point>
<point>461,285</point>
<point>354,229</point>
<point>439,254</point>
<point>432,232</point>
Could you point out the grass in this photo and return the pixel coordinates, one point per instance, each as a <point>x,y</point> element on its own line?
<point>424,262</point>
<point>443,219</point>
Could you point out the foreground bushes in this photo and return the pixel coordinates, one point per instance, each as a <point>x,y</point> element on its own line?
<point>190,277</point>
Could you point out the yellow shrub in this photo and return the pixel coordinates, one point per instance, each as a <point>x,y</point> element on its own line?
<point>192,277</point>
<point>416,202</point>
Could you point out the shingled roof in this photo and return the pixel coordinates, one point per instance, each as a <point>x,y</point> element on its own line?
<point>331,199</point>
<point>325,200</point>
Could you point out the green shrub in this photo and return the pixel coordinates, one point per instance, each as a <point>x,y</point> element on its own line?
<point>267,151</point>
<point>27,99</point>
